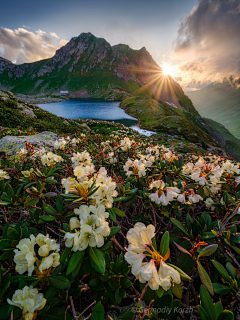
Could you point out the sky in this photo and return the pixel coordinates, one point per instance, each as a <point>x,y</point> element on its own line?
<point>199,39</point>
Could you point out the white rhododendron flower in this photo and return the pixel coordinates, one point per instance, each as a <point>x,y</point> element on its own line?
<point>60,144</point>
<point>3,175</point>
<point>46,245</point>
<point>27,173</point>
<point>209,204</point>
<point>50,159</point>
<point>112,158</point>
<point>25,256</point>
<point>138,168</point>
<point>92,226</point>
<point>194,198</point>
<point>26,259</point>
<point>126,144</point>
<point>140,248</point>
<point>106,189</point>
<point>83,159</point>
<point>29,300</point>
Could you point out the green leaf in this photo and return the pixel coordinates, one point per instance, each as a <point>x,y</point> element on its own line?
<point>65,254</point>
<point>6,255</point>
<point>5,312</point>
<point>205,278</point>
<point>207,251</point>
<point>163,304</point>
<point>59,204</point>
<point>98,312</point>
<point>207,236</point>
<point>118,212</point>
<point>164,244</point>
<point>50,194</point>
<point>160,291</point>
<point>97,259</point>
<point>50,293</point>
<point>10,191</point>
<point>114,230</point>
<point>55,314</point>
<point>49,209</point>
<point>31,202</point>
<point>4,289</point>
<point>226,198</point>
<point>226,315</point>
<point>223,272</point>
<point>75,261</point>
<point>180,226</point>
<point>112,215</point>
<point>203,314</point>
<point>186,263</point>
<point>117,296</point>
<point>218,308</point>
<point>59,282</point>
<point>183,275</point>
<point>12,234</point>
<point>106,246</point>
<point>207,303</point>
<point>47,218</point>
<point>177,290</point>
<point>221,289</point>
<point>231,270</point>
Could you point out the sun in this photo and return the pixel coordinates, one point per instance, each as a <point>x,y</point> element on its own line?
<point>169,70</point>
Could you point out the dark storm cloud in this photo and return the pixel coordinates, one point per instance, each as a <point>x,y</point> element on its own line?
<point>21,45</point>
<point>209,39</point>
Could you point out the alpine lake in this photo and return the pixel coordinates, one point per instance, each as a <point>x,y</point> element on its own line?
<point>96,110</point>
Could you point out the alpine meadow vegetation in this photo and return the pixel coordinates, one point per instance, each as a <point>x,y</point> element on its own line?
<point>112,225</point>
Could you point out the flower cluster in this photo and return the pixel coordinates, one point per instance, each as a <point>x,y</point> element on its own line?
<point>90,228</point>
<point>60,144</point>
<point>3,175</point>
<point>126,144</point>
<point>140,249</point>
<point>29,300</point>
<point>138,168</point>
<point>172,193</point>
<point>81,159</point>
<point>25,256</point>
<point>50,158</point>
<point>105,191</point>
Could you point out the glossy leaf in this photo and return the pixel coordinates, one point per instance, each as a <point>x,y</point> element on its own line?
<point>205,278</point>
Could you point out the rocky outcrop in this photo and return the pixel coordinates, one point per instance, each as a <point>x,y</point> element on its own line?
<point>83,56</point>
<point>13,144</point>
<point>28,113</point>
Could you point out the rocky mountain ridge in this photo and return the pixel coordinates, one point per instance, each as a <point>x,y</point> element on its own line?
<point>89,67</point>
<point>82,58</point>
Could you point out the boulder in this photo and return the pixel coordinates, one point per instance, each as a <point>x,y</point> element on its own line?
<point>29,113</point>
<point>84,127</point>
<point>13,144</point>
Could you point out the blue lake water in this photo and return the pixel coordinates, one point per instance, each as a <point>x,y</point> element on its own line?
<point>97,110</point>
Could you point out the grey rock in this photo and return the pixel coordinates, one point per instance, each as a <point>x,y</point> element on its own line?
<point>84,127</point>
<point>28,113</point>
<point>13,144</point>
<point>139,111</point>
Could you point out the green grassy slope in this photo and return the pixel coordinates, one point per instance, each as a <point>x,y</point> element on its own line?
<point>220,102</point>
<point>188,129</point>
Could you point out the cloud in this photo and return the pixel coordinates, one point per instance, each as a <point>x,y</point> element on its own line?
<point>21,45</point>
<point>208,39</point>
<point>54,35</point>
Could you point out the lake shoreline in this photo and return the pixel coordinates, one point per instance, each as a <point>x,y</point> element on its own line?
<point>96,110</point>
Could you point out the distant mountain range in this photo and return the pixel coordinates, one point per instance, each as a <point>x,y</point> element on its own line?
<point>219,102</point>
<point>88,67</point>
